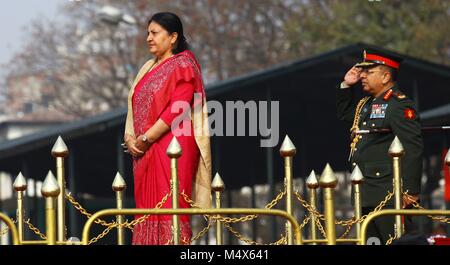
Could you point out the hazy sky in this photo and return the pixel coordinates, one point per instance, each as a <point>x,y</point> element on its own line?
<point>15,15</point>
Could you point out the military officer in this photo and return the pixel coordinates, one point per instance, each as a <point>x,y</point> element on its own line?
<point>384,107</point>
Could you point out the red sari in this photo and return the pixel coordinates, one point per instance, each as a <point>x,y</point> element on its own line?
<point>175,79</point>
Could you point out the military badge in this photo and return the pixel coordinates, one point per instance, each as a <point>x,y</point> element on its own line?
<point>410,114</point>
<point>388,94</point>
<point>378,111</point>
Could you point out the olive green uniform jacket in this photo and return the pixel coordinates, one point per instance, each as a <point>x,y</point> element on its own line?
<point>398,113</point>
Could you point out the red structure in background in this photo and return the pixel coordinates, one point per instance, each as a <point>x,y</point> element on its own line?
<point>446,172</point>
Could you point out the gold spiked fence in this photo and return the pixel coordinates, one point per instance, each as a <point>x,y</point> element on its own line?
<point>419,207</point>
<point>327,182</point>
<point>385,212</point>
<point>287,151</point>
<point>55,225</point>
<point>226,221</point>
<point>14,232</point>
<point>234,211</point>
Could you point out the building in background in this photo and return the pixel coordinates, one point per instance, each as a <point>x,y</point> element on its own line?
<point>253,175</point>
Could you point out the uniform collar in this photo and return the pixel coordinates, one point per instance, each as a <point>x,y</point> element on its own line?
<point>388,93</point>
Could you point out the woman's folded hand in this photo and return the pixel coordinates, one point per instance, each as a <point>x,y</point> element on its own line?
<point>132,147</point>
<point>143,143</point>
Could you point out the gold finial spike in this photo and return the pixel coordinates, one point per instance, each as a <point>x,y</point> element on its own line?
<point>396,148</point>
<point>357,176</point>
<point>328,179</point>
<point>311,181</point>
<point>447,158</point>
<point>217,183</point>
<point>174,148</point>
<point>287,148</point>
<point>119,183</point>
<point>50,187</point>
<point>60,148</point>
<point>20,183</point>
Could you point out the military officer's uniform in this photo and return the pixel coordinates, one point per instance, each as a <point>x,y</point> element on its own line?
<point>392,110</point>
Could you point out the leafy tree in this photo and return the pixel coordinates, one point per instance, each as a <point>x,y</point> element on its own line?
<point>90,65</point>
<point>417,28</point>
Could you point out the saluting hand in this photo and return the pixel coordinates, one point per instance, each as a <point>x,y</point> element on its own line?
<point>352,76</point>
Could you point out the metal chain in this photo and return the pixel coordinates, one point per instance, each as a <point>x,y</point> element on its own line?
<point>281,241</point>
<point>35,230</point>
<point>83,211</point>
<point>183,240</point>
<point>144,217</point>
<point>274,202</point>
<point>349,222</point>
<point>389,241</point>
<point>324,234</point>
<point>110,226</point>
<point>346,231</point>
<point>322,231</point>
<point>189,201</point>
<point>201,233</point>
<point>305,221</point>
<point>227,220</point>
<point>313,210</point>
<point>129,225</point>
<point>6,229</point>
<point>418,206</point>
<point>377,209</point>
<point>241,237</point>
<point>218,217</point>
<point>308,207</point>
<point>102,235</point>
<point>246,218</point>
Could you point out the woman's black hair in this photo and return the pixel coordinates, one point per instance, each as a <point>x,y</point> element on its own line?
<point>172,23</point>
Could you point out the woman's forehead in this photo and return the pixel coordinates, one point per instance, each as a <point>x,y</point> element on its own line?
<point>155,26</point>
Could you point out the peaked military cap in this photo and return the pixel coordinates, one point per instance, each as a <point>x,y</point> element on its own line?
<point>374,58</point>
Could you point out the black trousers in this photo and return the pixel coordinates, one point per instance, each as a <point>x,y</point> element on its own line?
<point>382,227</point>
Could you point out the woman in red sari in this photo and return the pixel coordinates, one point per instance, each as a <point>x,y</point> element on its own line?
<point>171,78</point>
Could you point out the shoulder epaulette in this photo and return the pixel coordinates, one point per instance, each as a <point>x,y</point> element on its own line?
<point>399,95</point>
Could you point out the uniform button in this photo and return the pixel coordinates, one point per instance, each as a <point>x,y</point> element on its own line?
<point>364,123</point>
<point>378,173</point>
<point>354,163</point>
<point>373,124</point>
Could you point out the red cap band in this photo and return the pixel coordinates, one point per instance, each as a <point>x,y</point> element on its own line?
<point>387,61</point>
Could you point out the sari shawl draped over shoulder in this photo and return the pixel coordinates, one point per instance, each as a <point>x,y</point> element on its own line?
<point>149,96</point>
